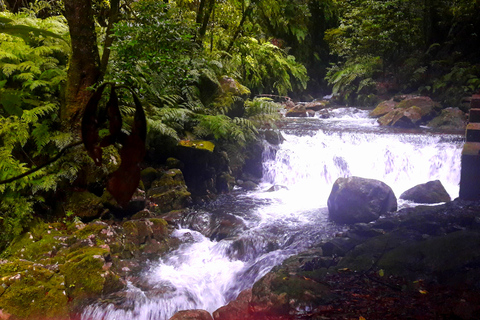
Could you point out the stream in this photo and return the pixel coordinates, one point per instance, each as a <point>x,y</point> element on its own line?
<point>287,213</point>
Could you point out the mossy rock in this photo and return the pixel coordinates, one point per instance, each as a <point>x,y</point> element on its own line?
<point>383,108</point>
<point>30,291</point>
<point>148,175</point>
<point>450,119</point>
<point>38,244</point>
<point>85,205</point>
<point>197,144</point>
<point>85,276</point>
<point>169,192</point>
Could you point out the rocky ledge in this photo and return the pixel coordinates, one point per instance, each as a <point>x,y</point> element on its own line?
<point>417,263</point>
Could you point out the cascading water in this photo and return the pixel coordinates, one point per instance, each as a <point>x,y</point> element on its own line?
<point>206,274</point>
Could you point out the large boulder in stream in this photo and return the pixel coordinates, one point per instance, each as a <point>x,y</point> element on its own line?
<point>430,192</point>
<point>406,111</point>
<point>356,199</point>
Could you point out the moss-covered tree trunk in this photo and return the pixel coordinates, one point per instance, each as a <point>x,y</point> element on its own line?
<point>84,67</point>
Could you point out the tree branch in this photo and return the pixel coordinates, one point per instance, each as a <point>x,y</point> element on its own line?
<point>29,172</point>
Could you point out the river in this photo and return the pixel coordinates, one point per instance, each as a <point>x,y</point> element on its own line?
<point>288,213</point>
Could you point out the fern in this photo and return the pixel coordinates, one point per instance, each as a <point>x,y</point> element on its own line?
<point>31,51</point>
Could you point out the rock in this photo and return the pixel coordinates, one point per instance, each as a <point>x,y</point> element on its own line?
<point>383,108</point>
<point>225,182</point>
<point>85,205</point>
<point>249,185</point>
<point>192,315</point>
<point>316,105</point>
<point>410,112</point>
<point>148,175</point>
<point>169,192</point>
<point>282,293</point>
<point>430,192</point>
<point>173,163</point>
<point>450,119</point>
<point>297,111</point>
<point>273,137</point>
<point>236,309</point>
<point>29,289</point>
<point>324,114</point>
<point>355,199</point>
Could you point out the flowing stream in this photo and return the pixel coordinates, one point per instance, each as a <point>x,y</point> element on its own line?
<point>287,214</point>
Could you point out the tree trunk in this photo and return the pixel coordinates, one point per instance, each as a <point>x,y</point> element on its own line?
<point>84,66</point>
<point>204,17</point>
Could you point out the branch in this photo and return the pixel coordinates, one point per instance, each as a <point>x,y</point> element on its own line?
<point>29,172</point>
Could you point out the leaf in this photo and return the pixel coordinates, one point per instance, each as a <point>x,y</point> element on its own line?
<point>197,144</point>
<point>11,101</point>
<point>381,272</point>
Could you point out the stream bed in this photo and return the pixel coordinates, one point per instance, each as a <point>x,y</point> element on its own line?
<point>287,214</point>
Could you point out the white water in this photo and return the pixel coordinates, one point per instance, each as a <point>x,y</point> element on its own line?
<point>205,274</point>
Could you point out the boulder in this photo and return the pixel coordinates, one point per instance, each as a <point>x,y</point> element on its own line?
<point>450,119</point>
<point>297,111</point>
<point>273,137</point>
<point>169,192</point>
<point>411,111</point>
<point>236,309</point>
<point>192,315</point>
<point>85,205</point>
<point>430,192</point>
<point>316,105</point>
<point>383,108</point>
<point>356,199</point>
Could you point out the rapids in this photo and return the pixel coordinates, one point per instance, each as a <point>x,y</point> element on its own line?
<point>206,273</point>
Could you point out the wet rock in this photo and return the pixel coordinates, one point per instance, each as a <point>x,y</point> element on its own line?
<point>450,119</point>
<point>215,226</point>
<point>249,185</point>
<point>430,192</point>
<point>356,199</point>
<point>169,192</point>
<point>324,114</point>
<point>316,105</point>
<point>273,137</point>
<point>310,113</point>
<point>237,309</point>
<point>192,315</point>
<point>338,246</point>
<point>297,111</point>
<point>410,112</point>
<point>225,182</point>
<point>383,108</point>
<point>282,293</point>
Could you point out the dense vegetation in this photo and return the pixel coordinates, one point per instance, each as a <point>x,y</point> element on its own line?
<point>176,54</point>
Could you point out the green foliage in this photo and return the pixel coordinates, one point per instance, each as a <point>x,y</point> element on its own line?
<point>353,77</point>
<point>423,45</point>
<point>32,72</point>
<point>264,67</point>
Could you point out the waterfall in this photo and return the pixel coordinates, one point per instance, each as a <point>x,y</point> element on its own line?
<point>207,274</point>
<point>309,165</point>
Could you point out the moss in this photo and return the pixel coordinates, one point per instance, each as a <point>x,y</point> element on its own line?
<point>32,291</point>
<point>90,229</point>
<point>84,204</point>
<point>83,272</point>
<point>37,244</point>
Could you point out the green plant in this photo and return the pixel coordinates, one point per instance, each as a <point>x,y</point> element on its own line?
<point>33,60</point>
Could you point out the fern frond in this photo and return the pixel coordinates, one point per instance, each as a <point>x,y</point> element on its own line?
<point>159,127</point>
